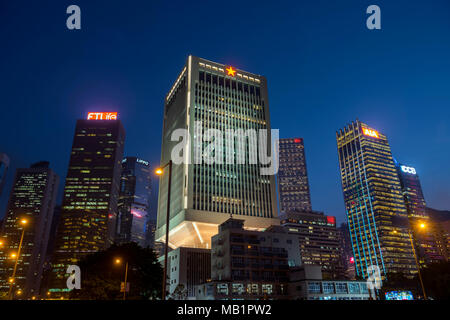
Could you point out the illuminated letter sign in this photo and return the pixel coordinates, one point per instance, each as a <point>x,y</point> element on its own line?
<point>142,162</point>
<point>370,133</point>
<point>102,116</point>
<point>231,71</point>
<point>408,169</point>
<point>331,220</point>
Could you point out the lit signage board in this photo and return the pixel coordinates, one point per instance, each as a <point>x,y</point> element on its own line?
<point>102,116</point>
<point>331,220</point>
<point>406,169</point>
<point>399,295</point>
<point>297,140</point>
<point>142,162</point>
<point>370,133</point>
<point>231,71</point>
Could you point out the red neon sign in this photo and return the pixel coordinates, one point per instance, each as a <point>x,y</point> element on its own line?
<point>370,133</point>
<point>297,140</point>
<point>331,220</point>
<point>102,116</point>
<point>231,71</point>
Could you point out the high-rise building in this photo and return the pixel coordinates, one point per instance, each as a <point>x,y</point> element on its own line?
<point>4,165</point>
<point>439,222</point>
<point>293,186</point>
<point>412,191</point>
<point>89,209</point>
<point>134,198</point>
<point>204,195</point>
<point>318,238</point>
<point>376,212</point>
<point>348,261</point>
<point>426,241</point>
<point>32,199</point>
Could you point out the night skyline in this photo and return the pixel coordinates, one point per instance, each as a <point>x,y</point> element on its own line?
<point>324,70</point>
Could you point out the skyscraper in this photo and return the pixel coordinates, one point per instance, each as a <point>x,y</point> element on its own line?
<point>135,188</point>
<point>376,212</point>
<point>412,191</point>
<point>204,195</point>
<point>32,199</point>
<point>4,165</point>
<point>348,261</point>
<point>293,186</point>
<point>426,241</point>
<point>318,238</point>
<point>89,209</point>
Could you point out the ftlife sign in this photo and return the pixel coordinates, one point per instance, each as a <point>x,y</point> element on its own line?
<point>102,116</point>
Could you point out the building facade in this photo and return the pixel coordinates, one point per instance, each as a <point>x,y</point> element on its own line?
<point>293,185</point>
<point>376,212</point>
<point>88,221</point>
<point>254,263</point>
<point>425,239</point>
<point>188,267</point>
<point>319,240</point>
<point>32,199</point>
<point>440,223</point>
<point>348,260</point>
<point>307,283</point>
<point>134,201</point>
<point>211,96</point>
<point>4,165</point>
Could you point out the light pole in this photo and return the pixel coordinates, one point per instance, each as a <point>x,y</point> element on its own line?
<point>118,261</point>
<point>159,172</point>
<point>422,226</point>
<point>23,222</point>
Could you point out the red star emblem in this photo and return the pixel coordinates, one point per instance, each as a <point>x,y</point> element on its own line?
<point>231,71</point>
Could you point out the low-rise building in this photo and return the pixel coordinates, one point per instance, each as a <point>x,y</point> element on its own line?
<point>306,283</point>
<point>247,264</point>
<point>188,267</point>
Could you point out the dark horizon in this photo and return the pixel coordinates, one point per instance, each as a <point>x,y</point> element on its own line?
<point>324,69</point>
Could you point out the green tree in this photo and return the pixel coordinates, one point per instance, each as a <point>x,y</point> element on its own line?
<point>101,276</point>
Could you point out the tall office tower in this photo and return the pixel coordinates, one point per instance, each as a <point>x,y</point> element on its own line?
<point>135,189</point>
<point>412,191</point>
<point>426,241</point>
<point>376,212</point>
<point>440,222</point>
<point>204,195</point>
<point>32,199</point>
<point>293,186</point>
<point>348,261</point>
<point>319,240</point>
<point>4,165</point>
<point>89,209</point>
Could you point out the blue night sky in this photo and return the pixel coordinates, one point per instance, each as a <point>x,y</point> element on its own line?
<point>324,69</point>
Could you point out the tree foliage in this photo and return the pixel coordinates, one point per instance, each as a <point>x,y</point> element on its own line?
<point>101,276</point>
<point>436,279</point>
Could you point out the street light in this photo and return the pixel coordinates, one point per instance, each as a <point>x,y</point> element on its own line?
<point>422,226</point>
<point>160,172</point>
<point>23,222</point>
<point>119,261</point>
